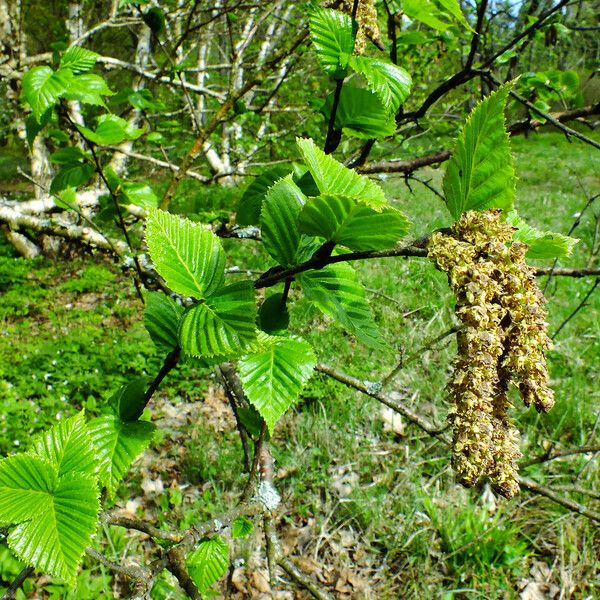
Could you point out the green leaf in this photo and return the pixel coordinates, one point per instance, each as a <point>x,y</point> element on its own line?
<point>389,82</point>
<point>480,173</point>
<point>336,291</point>
<point>273,315</point>
<point>225,324</point>
<point>117,446</point>
<point>43,87</point>
<point>331,177</point>
<point>241,528</point>
<point>453,8</point>
<point>248,212</point>
<point>128,402</point>
<point>187,255</point>
<point>426,12</point>
<point>278,221</point>
<point>89,89</point>
<point>542,244</point>
<point>162,316</point>
<point>350,223</point>
<point>333,35</point>
<point>67,447</point>
<point>71,176</point>
<point>208,562</point>
<point>33,126</point>
<point>139,193</point>
<point>111,130</point>
<point>55,517</point>
<point>273,379</point>
<point>78,59</point>
<point>360,114</point>
<point>65,156</point>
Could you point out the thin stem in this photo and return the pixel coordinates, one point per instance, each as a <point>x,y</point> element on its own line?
<point>578,307</point>
<point>19,580</point>
<point>170,361</point>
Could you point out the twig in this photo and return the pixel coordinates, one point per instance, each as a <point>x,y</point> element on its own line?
<point>578,307</point>
<point>18,581</point>
<point>176,565</point>
<point>581,509</point>
<point>136,573</point>
<point>170,362</point>
<point>553,455</point>
<point>415,355</point>
<point>249,489</point>
<point>159,534</point>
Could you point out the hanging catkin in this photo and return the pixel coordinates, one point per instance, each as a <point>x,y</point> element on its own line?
<point>503,339</point>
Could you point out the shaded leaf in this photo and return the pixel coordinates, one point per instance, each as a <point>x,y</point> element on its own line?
<point>162,316</point>
<point>273,315</point>
<point>278,221</point>
<point>110,130</point>
<point>360,114</point>
<point>336,291</point>
<point>225,324</point>
<point>248,212</point>
<point>128,402</point>
<point>241,528</point>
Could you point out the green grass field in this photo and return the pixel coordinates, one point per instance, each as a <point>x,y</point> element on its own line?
<point>371,506</point>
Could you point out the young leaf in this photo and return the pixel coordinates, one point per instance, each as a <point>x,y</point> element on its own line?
<point>78,59</point>
<point>162,316</point>
<point>336,291</point>
<point>453,8</point>
<point>332,177</point>
<point>273,315</point>
<point>426,12</point>
<point>361,114</point>
<point>333,35</point>
<point>89,89</point>
<point>480,173</point>
<point>54,514</point>
<point>389,82</point>
<point>117,445</point>
<point>111,130</point>
<point>248,212</point>
<point>128,402</point>
<point>67,447</point>
<point>71,176</point>
<point>278,221</point>
<point>274,378</point>
<point>350,223</point>
<point>43,87</point>
<point>188,256</point>
<point>542,244</point>
<point>68,155</point>
<point>208,562</point>
<point>241,528</point>
<point>225,324</point>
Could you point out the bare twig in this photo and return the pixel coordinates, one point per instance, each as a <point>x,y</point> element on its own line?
<point>18,581</point>
<point>579,307</point>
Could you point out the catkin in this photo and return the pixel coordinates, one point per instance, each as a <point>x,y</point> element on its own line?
<point>368,26</point>
<point>502,340</point>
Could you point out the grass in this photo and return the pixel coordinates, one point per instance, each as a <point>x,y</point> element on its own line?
<point>358,496</point>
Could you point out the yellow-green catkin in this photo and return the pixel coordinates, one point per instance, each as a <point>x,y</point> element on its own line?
<point>368,26</point>
<point>503,338</point>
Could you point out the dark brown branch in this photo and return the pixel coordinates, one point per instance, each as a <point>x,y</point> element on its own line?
<point>170,362</point>
<point>19,580</point>
<point>176,565</point>
<point>135,573</point>
<point>141,526</point>
<point>579,307</point>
